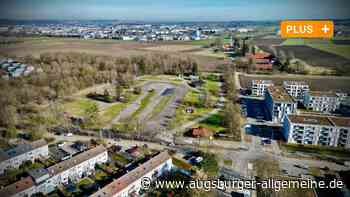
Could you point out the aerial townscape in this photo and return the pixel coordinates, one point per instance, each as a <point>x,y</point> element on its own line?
<point>96,107</point>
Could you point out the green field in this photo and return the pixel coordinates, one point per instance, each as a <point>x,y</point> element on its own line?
<point>78,106</point>
<point>144,103</point>
<point>161,105</point>
<point>108,114</point>
<point>324,45</point>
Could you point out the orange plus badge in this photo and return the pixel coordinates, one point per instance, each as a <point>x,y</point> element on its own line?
<point>307,29</point>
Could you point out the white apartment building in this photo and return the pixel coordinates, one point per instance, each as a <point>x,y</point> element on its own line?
<point>46,180</point>
<point>14,157</point>
<point>279,103</point>
<point>130,183</point>
<point>259,87</point>
<point>296,89</point>
<point>317,130</point>
<point>326,102</point>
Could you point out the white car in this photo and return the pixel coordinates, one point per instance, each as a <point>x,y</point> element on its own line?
<point>68,134</point>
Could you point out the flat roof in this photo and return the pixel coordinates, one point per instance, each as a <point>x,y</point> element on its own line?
<point>17,187</point>
<point>279,94</point>
<point>80,158</point>
<point>295,83</point>
<point>127,179</point>
<point>320,120</point>
<point>310,119</point>
<point>322,94</point>
<point>262,81</point>
<point>340,121</point>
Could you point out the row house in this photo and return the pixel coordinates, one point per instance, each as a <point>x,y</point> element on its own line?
<point>69,171</point>
<point>14,157</point>
<point>130,183</point>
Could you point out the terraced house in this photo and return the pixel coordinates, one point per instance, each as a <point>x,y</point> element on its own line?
<point>317,130</point>
<point>46,180</point>
<point>130,183</point>
<point>14,157</point>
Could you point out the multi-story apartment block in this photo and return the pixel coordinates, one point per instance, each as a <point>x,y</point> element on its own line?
<point>130,183</point>
<point>14,157</point>
<point>259,87</point>
<point>317,130</point>
<point>296,89</point>
<point>46,180</point>
<point>326,102</point>
<point>279,103</point>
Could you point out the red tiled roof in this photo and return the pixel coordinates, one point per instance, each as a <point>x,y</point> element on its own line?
<point>260,55</point>
<point>263,66</point>
<point>17,187</point>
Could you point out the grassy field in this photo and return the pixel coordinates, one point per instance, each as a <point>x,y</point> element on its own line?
<point>161,105</point>
<point>78,106</point>
<point>144,103</point>
<point>111,112</point>
<point>214,123</point>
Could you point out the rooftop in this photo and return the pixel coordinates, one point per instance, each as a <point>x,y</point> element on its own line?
<point>322,94</point>
<point>279,94</point>
<point>38,173</point>
<point>127,179</point>
<point>340,121</point>
<point>262,81</point>
<point>294,83</point>
<point>320,120</point>
<point>17,187</point>
<point>80,158</point>
<point>21,149</point>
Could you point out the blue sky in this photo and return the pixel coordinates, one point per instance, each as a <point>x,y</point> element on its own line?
<point>181,10</point>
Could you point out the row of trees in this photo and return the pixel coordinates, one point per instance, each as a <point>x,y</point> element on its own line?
<point>232,112</point>
<point>61,74</point>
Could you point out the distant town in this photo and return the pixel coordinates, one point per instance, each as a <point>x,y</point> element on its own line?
<point>94,108</point>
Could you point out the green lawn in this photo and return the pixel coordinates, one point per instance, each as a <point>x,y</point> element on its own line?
<point>213,122</point>
<point>111,112</point>
<point>212,86</point>
<point>144,102</point>
<point>120,159</point>
<point>100,175</point>
<point>78,106</point>
<point>161,105</point>
<point>181,164</point>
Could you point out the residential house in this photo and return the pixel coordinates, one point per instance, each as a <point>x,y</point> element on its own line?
<point>130,183</point>
<point>46,180</point>
<point>262,61</point>
<point>14,157</point>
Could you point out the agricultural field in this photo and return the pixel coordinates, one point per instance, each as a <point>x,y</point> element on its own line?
<point>317,83</point>
<point>310,55</point>
<point>35,46</point>
<point>339,47</point>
